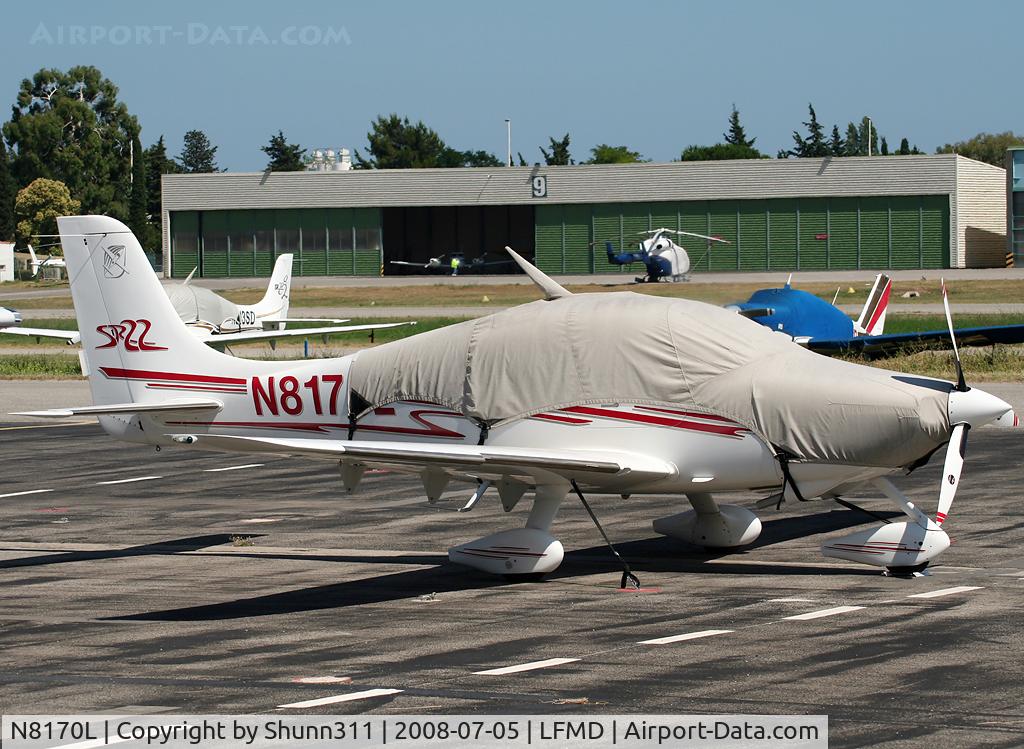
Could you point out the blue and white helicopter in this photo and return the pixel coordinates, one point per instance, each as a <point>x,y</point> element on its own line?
<point>663,258</point>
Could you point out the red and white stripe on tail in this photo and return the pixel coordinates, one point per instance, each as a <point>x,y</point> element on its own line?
<point>872,317</point>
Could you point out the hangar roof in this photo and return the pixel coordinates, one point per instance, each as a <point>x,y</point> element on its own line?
<point>606,183</point>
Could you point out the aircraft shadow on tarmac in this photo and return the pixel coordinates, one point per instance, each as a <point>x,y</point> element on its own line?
<point>649,555</point>
<point>175,546</point>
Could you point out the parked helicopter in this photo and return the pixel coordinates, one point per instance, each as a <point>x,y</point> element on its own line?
<point>663,258</point>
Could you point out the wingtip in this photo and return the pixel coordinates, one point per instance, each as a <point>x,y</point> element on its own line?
<point>551,288</point>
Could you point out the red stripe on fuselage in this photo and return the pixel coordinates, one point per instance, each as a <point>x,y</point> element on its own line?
<point>561,419</point>
<point>693,414</point>
<point>721,429</point>
<point>116,373</point>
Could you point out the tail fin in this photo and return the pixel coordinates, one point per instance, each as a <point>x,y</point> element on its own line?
<point>872,317</point>
<point>611,251</point>
<point>35,264</point>
<point>135,347</point>
<point>274,305</point>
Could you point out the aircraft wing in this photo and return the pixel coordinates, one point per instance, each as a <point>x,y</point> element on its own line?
<point>406,262</point>
<point>889,344</point>
<point>178,405</point>
<point>70,336</point>
<point>248,336</point>
<point>330,320</point>
<point>472,459</point>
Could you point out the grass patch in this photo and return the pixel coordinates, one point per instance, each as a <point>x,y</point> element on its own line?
<point>507,295</point>
<point>988,364</point>
<point>40,367</point>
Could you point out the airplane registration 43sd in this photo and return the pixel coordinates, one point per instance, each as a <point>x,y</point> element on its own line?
<point>544,400</point>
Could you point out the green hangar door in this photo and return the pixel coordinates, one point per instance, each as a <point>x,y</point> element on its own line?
<point>415,235</point>
<point>774,234</point>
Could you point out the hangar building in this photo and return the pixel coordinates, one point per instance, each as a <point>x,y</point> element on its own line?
<point>941,211</point>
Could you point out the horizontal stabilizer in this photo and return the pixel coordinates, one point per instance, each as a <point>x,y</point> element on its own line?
<point>71,336</point>
<point>501,460</point>
<point>250,336</point>
<point>171,406</point>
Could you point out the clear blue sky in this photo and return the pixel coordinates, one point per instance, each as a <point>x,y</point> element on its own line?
<point>655,76</point>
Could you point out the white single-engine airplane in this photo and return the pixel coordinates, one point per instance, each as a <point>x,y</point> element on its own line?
<point>219,322</point>
<point>696,400</point>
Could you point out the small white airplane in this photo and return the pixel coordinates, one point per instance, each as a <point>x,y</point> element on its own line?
<point>663,258</point>
<point>9,318</point>
<point>453,263</point>
<point>37,265</point>
<point>219,322</point>
<point>697,400</point>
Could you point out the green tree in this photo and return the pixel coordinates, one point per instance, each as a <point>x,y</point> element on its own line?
<point>197,154</point>
<point>605,154</point>
<point>69,126</point>
<point>158,163</point>
<point>852,145</point>
<point>454,158</point>
<point>737,136</point>
<point>7,194</point>
<point>522,161</point>
<point>868,134</point>
<point>284,156</point>
<point>814,144</point>
<point>138,218</point>
<point>559,154</point>
<point>722,152</point>
<point>884,150</point>
<point>904,149</point>
<point>836,146</point>
<point>395,143</point>
<point>987,147</point>
<point>38,205</point>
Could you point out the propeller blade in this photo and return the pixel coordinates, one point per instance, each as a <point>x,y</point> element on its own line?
<point>951,470</point>
<point>961,384</point>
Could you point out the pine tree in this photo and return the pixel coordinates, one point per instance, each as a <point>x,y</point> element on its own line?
<point>157,164</point>
<point>559,154</point>
<point>868,135</point>
<point>139,197</point>
<point>8,192</point>
<point>284,156</point>
<point>737,136</point>
<point>885,147</point>
<point>197,154</point>
<point>852,144</point>
<point>836,146</point>
<point>904,149</point>
<point>814,145</point>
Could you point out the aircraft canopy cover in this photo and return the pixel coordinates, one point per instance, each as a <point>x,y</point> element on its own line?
<point>196,304</point>
<point>624,347</point>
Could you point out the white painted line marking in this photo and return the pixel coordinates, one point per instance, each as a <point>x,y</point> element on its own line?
<point>822,613</point>
<point>128,481</point>
<point>790,600</point>
<point>687,636</point>
<point>322,680</point>
<point>525,667</point>
<point>232,468</point>
<point>351,696</point>
<point>22,494</point>
<point>261,520</point>
<point>946,591</point>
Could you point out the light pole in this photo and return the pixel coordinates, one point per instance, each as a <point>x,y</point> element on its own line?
<point>869,135</point>
<point>508,128</point>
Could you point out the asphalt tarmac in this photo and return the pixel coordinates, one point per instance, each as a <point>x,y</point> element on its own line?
<point>189,581</point>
